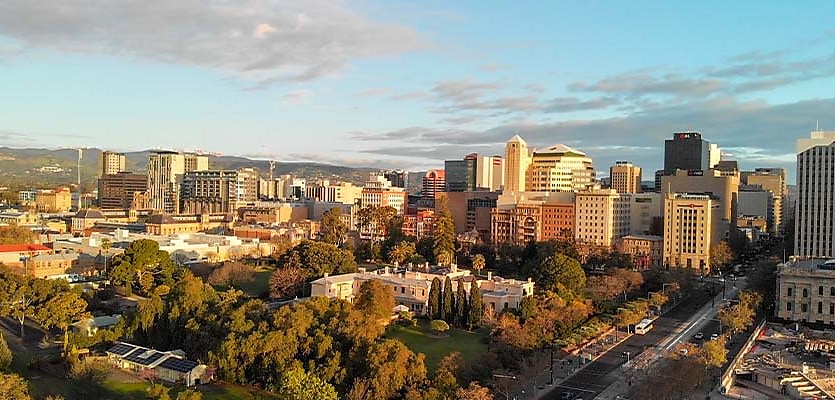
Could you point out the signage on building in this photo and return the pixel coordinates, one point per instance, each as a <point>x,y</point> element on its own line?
<point>695,172</point>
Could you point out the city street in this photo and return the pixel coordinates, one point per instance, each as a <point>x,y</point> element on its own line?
<point>600,374</point>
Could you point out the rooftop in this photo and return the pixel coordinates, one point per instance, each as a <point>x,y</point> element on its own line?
<point>559,148</point>
<point>17,248</point>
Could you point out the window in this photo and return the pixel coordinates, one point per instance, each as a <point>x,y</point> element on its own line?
<point>831,308</point>
<point>820,307</point>
<point>804,308</point>
<point>805,292</point>
<point>820,290</point>
<point>789,306</point>
<point>789,292</point>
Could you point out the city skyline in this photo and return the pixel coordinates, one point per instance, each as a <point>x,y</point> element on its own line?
<point>397,85</point>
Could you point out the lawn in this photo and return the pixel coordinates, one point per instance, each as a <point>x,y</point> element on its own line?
<point>471,345</point>
<point>259,286</point>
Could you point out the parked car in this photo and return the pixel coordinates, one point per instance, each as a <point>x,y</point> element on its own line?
<point>699,336</point>
<point>714,336</point>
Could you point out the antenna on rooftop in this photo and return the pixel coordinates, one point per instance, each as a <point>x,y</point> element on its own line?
<point>817,125</point>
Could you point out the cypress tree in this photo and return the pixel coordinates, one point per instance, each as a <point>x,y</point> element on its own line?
<point>435,299</point>
<point>461,305</point>
<point>476,307</point>
<point>448,304</point>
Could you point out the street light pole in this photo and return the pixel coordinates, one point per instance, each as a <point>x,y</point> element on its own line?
<point>551,368</point>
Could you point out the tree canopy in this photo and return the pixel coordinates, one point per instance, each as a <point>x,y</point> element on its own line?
<point>332,228</point>
<point>317,258</point>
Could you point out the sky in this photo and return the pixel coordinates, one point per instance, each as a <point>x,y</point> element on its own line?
<point>396,84</point>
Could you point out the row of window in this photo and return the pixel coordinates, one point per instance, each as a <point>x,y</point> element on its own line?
<point>805,292</point>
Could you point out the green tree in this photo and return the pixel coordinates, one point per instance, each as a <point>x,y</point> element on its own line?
<point>158,391</point>
<point>14,234</point>
<point>438,326</point>
<point>298,384</point>
<point>476,307</point>
<point>375,300</point>
<point>143,265</point>
<point>720,254</point>
<point>5,354</point>
<point>61,311</point>
<point>461,305</point>
<point>332,228</point>
<point>189,394</point>
<point>444,258</point>
<point>316,258</point>
<point>13,387</point>
<point>435,299</point>
<point>448,303</point>
<point>558,271</point>
<point>478,262</point>
<point>443,237</point>
<point>401,252</point>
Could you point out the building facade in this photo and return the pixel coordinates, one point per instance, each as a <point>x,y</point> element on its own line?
<point>601,217</point>
<point>434,182</point>
<point>806,291</point>
<point>724,188</point>
<point>460,175</point>
<point>116,191</point>
<point>814,232</point>
<point>686,151</point>
<point>165,177</point>
<point>215,191</point>
<point>774,181</point>
<point>378,192</point>
<point>489,174</point>
<point>516,160</point>
<point>646,250</point>
<point>559,168</point>
<point>111,163</point>
<point>54,201</point>
<point>689,230</point>
<point>625,177</point>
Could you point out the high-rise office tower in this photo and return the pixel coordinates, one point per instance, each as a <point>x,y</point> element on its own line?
<point>814,231</point>
<point>625,177</point>
<point>691,225</point>
<point>116,191</point>
<point>165,176</point>
<point>516,160</point>
<point>461,174</point>
<point>559,168</point>
<point>489,173</point>
<point>774,181</point>
<point>111,163</point>
<point>434,182</point>
<point>687,151</point>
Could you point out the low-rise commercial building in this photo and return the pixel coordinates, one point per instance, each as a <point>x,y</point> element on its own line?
<point>646,250</point>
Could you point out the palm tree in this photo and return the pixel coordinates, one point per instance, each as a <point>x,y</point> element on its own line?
<point>478,262</point>
<point>444,258</point>
<point>105,246</point>
<point>401,252</point>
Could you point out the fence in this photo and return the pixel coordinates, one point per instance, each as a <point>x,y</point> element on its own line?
<point>728,377</point>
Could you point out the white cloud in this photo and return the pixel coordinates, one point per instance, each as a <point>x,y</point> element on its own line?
<point>293,40</point>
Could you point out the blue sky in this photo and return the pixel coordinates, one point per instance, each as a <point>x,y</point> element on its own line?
<point>409,84</point>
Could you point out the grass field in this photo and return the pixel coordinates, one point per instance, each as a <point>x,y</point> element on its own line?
<point>258,287</point>
<point>471,345</point>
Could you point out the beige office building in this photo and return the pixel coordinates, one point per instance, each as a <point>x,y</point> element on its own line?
<point>814,217</point>
<point>691,223</point>
<point>324,190</point>
<point>111,163</point>
<point>165,176</point>
<point>516,160</point>
<point>724,188</point>
<point>806,291</point>
<point>378,192</point>
<point>601,217</point>
<point>625,177</point>
<point>218,191</point>
<point>54,201</point>
<point>559,168</point>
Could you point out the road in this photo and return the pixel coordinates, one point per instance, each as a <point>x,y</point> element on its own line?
<point>596,377</point>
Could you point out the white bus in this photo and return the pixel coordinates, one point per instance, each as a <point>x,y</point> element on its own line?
<point>643,327</point>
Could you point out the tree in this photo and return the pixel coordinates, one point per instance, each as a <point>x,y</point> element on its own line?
<point>443,237</point>
<point>317,258</point>
<point>61,311</point>
<point>619,260</point>
<point>13,387</point>
<point>715,354</point>
<point>14,234</point>
<point>435,299</point>
<point>438,326</point>
<point>5,354</point>
<point>142,264</point>
<point>444,258</point>
<point>286,282</point>
<point>448,303</point>
<point>478,262</point>
<point>332,228</point>
<point>720,254</point>
<point>231,273</point>
<point>189,394</point>
<point>375,300</point>
<point>476,307</point>
<point>558,272</point>
<point>446,373</point>
<point>158,391</point>
<point>461,305</point>
<point>473,392</point>
<point>401,252</point>
<point>298,384</point>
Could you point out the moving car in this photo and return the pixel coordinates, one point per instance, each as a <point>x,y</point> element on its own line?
<point>714,336</point>
<point>699,336</point>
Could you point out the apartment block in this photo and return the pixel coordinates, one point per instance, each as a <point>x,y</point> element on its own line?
<point>111,163</point>
<point>218,191</point>
<point>165,177</point>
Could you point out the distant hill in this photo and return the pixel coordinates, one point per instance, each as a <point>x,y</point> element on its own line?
<point>40,168</point>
